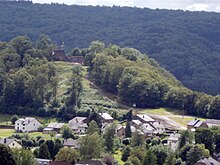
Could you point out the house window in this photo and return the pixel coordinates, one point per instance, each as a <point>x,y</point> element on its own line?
<point>17,128</point>
<point>17,123</point>
<point>23,124</point>
<point>34,124</point>
<point>13,144</point>
<point>23,128</point>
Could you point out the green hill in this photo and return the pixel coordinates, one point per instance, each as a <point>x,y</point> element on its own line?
<point>185,43</point>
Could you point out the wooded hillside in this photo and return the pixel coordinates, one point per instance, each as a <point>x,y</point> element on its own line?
<point>185,43</point>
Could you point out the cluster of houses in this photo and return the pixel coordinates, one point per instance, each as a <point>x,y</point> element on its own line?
<point>141,123</point>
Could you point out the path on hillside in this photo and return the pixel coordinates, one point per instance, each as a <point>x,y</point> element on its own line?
<point>110,97</point>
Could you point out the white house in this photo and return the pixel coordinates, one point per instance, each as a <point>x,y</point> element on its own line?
<point>173,141</point>
<point>79,125</point>
<point>27,124</point>
<point>10,143</point>
<point>105,118</point>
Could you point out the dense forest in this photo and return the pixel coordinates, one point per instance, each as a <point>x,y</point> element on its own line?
<point>185,43</point>
<point>29,80</point>
<point>139,80</point>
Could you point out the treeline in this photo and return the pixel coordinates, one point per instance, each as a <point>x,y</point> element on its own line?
<point>139,80</point>
<point>29,80</point>
<point>185,43</point>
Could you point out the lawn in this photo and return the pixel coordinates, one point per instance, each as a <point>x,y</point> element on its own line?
<point>117,156</point>
<point>6,132</point>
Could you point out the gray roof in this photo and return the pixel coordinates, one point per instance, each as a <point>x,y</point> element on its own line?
<point>174,137</point>
<point>55,125</point>
<point>71,143</point>
<point>6,141</point>
<point>212,121</point>
<point>209,161</point>
<point>198,124</point>
<point>105,116</point>
<point>193,122</point>
<point>145,117</point>
<point>137,122</point>
<point>26,120</point>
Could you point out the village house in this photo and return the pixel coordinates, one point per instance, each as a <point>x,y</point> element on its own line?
<point>194,124</point>
<point>79,125</point>
<point>27,124</point>
<point>105,118</point>
<point>173,141</point>
<point>10,143</point>
<point>53,127</point>
<point>70,143</point>
<point>143,118</point>
<point>121,131</point>
<point>207,161</point>
<point>43,161</point>
<point>212,123</point>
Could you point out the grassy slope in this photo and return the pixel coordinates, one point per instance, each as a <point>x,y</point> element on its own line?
<point>91,98</point>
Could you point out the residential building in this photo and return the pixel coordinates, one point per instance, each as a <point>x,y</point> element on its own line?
<point>27,124</point>
<point>212,123</point>
<point>194,124</point>
<point>10,143</point>
<point>173,141</point>
<point>105,118</point>
<point>43,161</point>
<point>144,118</point>
<point>74,144</point>
<point>53,127</point>
<point>79,125</point>
<point>207,161</point>
<point>121,131</point>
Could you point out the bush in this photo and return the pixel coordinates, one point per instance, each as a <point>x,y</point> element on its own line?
<point>14,119</point>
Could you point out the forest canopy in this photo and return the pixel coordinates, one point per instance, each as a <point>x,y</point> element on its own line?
<point>185,43</point>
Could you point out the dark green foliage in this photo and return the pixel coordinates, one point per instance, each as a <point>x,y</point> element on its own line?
<point>125,154</point>
<point>205,136</point>
<point>93,127</point>
<point>109,138</point>
<point>67,132</point>
<point>14,118</point>
<point>44,152</point>
<point>186,43</point>
<point>6,156</point>
<point>150,158</point>
<point>24,157</point>
<point>196,153</point>
<point>161,153</point>
<point>185,138</point>
<point>128,129</point>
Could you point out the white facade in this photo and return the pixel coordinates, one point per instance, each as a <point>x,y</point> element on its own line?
<point>173,141</point>
<point>27,125</point>
<point>10,143</point>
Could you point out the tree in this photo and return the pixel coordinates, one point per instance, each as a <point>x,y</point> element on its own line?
<point>14,118</point>
<point>44,152</point>
<point>91,146</point>
<point>109,138</point>
<point>183,151</point>
<point>24,157</point>
<point>125,154</point>
<point>196,153</point>
<point>93,127</point>
<point>205,136</point>
<point>6,156</point>
<point>161,152</point>
<point>128,129</point>
<point>21,45</point>
<point>67,155</point>
<point>150,158</point>
<point>50,144</point>
<point>137,139</point>
<point>67,132</point>
<point>185,138</point>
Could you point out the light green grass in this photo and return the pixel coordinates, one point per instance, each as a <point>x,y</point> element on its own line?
<point>185,119</point>
<point>6,132</point>
<point>161,111</point>
<point>117,156</point>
